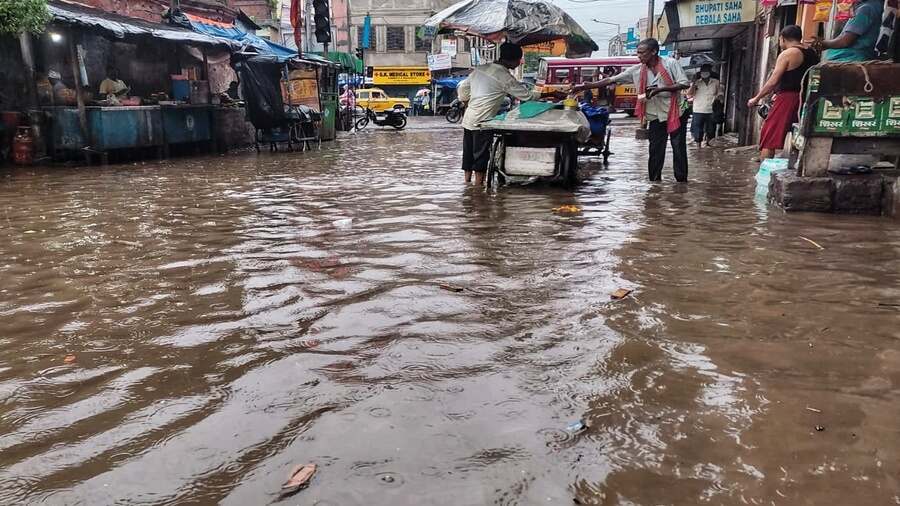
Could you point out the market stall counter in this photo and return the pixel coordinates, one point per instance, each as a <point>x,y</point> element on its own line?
<point>109,128</point>
<point>113,128</point>
<point>186,124</point>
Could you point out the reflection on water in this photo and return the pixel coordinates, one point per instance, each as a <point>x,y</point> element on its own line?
<point>230,317</point>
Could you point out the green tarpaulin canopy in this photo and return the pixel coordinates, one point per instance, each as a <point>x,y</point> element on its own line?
<point>348,61</point>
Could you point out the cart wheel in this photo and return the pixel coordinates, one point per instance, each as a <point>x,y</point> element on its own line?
<point>493,177</point>
<point>362,123</point>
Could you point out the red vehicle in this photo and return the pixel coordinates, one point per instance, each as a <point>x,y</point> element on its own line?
<point>558,73</point>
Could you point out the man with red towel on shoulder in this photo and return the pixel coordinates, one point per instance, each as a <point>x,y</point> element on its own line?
<point>790,67</point>
<point>659,81</point>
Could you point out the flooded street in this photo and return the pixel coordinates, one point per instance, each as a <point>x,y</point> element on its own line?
<point>185,332</point>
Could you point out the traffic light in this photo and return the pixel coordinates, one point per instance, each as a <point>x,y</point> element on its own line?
<point>321,18</point>
<point>359,53</point>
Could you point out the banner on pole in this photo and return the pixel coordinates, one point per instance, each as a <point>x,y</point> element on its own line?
<point>367,33</point>
<point>296,22</point>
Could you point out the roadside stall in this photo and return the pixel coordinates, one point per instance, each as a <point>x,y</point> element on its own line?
<point>333,78</point>
<point>113,83</point>
<point>315,77</point>
<point>283,99</point>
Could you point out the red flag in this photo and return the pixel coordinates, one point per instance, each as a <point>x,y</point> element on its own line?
<point>296,22</point>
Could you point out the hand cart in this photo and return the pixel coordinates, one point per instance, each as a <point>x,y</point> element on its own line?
<point>543,148</point>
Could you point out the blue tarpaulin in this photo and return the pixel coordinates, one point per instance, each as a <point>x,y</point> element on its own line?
<point>242,38</point>
<point>449,82</point>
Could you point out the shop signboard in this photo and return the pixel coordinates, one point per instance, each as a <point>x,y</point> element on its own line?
<point>448,46</point>
<point>552,48</point>
<point>399,76</point>
<point>715,12</point>
<point>440,61</point>
<point>302,88</point>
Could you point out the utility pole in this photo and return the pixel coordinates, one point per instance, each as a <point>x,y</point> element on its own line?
<point>650,20</point>
<point>307,26</point>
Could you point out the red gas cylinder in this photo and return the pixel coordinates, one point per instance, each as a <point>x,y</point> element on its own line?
<point>23,146</point>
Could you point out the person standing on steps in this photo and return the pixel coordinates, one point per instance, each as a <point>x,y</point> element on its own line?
<point>786,79</point>
<point>660,81</point>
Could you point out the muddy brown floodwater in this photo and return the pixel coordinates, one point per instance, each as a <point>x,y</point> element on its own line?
<point>186,332</point>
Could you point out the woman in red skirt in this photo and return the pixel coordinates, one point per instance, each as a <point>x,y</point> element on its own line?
<point>793,62</point>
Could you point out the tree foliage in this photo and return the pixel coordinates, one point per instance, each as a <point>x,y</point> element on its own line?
<point>18,16</point>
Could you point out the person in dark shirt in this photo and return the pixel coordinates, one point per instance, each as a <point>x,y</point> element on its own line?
<point>790,67</point>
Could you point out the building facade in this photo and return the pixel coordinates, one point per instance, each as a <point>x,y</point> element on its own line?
<point>395,42</point>
<point>153,10</point>
<point>396,58</point>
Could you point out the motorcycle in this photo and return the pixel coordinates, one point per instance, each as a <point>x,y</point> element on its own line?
<point>456,111</point>
<point>391,118</point>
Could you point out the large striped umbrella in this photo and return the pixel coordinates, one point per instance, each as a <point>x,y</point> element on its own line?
<point>522,22</point>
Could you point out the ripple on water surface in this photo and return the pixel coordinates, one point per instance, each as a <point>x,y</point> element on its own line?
<point>188,331</point>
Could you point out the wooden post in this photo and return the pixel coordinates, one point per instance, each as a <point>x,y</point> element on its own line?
<point>28,59</point>
<point>79,90</point>
<point>815,156</point>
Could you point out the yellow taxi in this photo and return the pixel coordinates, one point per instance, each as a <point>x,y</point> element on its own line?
<point>379,101</point>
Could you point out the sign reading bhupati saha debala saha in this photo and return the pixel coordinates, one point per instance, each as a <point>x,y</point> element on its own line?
<point>692,20</point>
<point>715,12</point>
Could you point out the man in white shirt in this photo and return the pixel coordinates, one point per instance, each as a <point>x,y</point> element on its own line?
<point>112,86</point>
<point>660,82</point>
<point>705,91</point>
<point>484,90</point>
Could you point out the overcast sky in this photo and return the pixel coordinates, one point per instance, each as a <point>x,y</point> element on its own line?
<point>624,12</point>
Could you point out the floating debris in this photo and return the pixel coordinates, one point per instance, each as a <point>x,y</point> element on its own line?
<point>620,294</point>
<point>298,479</point>
<point>814,243</point>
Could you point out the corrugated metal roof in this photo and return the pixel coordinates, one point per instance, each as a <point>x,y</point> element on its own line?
<point>122,27</point>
